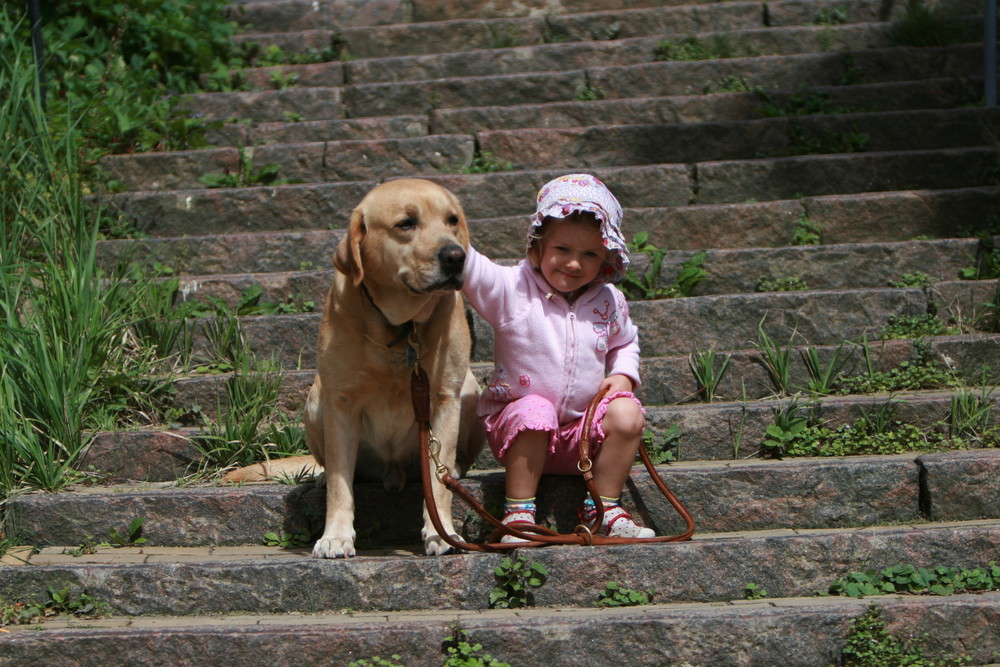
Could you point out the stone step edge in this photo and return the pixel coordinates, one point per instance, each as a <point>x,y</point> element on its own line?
<point>800,493</point>
<point>801,631</point>
<point>338,72</point>
<point>301,242</point>
<point>957,352</point>
<point>222,154</point>
<point>702,570</point>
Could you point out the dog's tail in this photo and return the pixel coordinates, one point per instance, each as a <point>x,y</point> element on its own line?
<point>292,467</point>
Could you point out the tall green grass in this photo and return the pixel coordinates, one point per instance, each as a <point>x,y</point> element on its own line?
<point>68,351</point>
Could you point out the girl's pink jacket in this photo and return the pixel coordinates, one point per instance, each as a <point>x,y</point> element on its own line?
<point>544,345</point>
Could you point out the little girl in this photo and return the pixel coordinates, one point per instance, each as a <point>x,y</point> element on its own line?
<point>562,334</point>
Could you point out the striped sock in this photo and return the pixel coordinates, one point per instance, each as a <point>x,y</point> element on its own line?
<point>519,505</point>
<point>590,509</point>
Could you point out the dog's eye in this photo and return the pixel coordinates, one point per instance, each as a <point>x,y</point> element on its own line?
<point>407,224</point>
<point>453,220</point>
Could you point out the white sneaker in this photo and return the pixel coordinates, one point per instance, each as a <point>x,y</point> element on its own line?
<point>516,518</point>
<point>618,522</point>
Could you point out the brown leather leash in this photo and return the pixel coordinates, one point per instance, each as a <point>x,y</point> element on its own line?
<point>534,534</point>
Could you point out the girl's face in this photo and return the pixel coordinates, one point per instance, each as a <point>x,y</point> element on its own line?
<point>572,253</point>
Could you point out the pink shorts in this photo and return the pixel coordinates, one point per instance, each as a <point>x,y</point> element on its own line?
<point>534,413</point>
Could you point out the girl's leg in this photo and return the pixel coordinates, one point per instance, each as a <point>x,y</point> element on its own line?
<point>622,425</point>
<point>524,463</point>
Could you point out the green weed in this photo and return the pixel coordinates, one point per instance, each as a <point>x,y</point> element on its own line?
<point>754,592</point>
<point>516,578</point>
<point>706,373</point>
<point>921,25</point>
<point>615,595</point>
<point>132,536</point>
<point>460,652</point>
<point>693,48</point>
<point>299,539</point>
<point>59,602</point>
<point>915,279</point>
<point>247,175</point>
<point>806,232</point>
<point>788,284</point>
<point>484,162</point>
<point>917,326</point>
<point>869,644</point>
<point>648,284</point>
<point>776,359</point>
<point>667,449</point>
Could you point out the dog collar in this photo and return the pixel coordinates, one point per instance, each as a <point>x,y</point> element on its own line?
<point>405,329</point>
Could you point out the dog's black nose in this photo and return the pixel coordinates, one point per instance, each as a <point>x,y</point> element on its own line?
<point>452,258</point>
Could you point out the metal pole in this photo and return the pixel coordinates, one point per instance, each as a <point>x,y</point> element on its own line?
<point>36,40</point>
<point>990,54</point>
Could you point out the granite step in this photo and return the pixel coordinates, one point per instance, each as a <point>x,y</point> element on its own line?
<point>730,271</point>
<point>464,35</point>
<point>562,56</point>
<point>622,145</point>
<point>844,219</point>
<point>325,93</point>
<point>671,326</point>
<point>934,93</point>
<point>709,568</point>
<point>667,380</point>
<point>501,194</point>
<point>803,632</point>
<point>294,15</point>
<point>664,79</point>
<point>315,162</point>
<point>731,428</point>
<point>567,148</point>
<point>708,107</point>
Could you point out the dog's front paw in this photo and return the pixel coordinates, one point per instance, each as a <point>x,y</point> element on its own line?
<point>334,547</point>
<point>434,545</point>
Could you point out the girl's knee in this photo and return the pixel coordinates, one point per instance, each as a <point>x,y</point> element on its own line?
<point>623,416</point>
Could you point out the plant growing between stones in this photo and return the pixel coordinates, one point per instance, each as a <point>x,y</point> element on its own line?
<point>484,162</point>
<point>754,591</point>
<point>906,578</point>
<point>647,285</point>
<point>921,25</point>
<point>59,602</point>
<point>788,284</point>
<point>669,446</point>
<point>869,644</point>
<point>971,414</point>
<point>707,376</point>
<point>692,48</point>
<point>917,326</point>
<point>923,372</point>
<point>132,536</point>
<point>247,175</point>
<point>615,595</point>
<point>806,232</point>
<point>516,578</point>
<point>822,377</point>
<point>776,360</point>
<point>915,279</point>
<point>378,661</point>
<point>460,652</point>
<point>589,93</point>
<point>300,538</point>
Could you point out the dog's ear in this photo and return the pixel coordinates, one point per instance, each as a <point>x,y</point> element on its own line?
<point>347,259</point>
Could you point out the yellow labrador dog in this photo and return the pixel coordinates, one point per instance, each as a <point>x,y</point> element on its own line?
<point>398,270</point>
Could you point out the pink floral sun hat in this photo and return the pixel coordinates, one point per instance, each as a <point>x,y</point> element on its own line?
<point>582,192</point>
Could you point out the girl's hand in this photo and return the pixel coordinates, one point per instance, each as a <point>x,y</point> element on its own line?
<point>616,383</point>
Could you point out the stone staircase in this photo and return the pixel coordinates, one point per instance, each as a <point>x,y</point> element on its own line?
<point>800,112</point>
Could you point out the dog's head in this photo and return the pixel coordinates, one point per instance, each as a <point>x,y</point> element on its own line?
<point>407,233</point>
